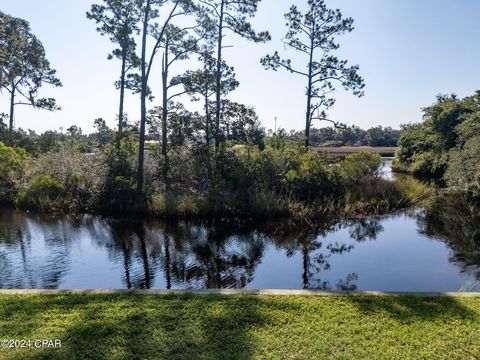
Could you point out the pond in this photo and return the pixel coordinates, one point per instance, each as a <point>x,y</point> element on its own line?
<point>414,251</point>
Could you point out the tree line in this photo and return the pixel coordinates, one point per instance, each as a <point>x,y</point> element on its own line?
<point>343,135</point>
<point>153,35</point>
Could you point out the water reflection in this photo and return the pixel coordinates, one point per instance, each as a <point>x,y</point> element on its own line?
<point>28,263</point>
<point>458,225</point>
<point>312,241</point>
<point>392,253</point>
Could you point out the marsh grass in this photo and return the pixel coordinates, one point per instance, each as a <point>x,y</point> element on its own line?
<point>373,196</point>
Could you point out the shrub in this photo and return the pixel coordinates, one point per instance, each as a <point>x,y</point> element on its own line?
<point>42,193</point>
<point>82,175</point>
<point>309,176</point>
<point>463,173</point>
<point>120,196</point>
<point>12,161</point>
<point>175,205</point>
<point>360,166</point>
<point>119,187</point>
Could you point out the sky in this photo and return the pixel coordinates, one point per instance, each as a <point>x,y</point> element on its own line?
<point>408,52</point>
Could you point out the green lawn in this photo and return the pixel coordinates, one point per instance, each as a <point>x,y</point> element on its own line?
<point>243,327</point>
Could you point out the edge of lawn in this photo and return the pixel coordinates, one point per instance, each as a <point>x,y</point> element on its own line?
<point>265,292</point>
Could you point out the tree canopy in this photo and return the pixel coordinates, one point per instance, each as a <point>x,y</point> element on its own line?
<point>445,144</point>
<point>24,67</point>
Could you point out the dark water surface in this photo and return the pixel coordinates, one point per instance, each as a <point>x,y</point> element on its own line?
<point>413,251</point>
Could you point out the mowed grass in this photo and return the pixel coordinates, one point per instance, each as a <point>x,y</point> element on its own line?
<point>243,327</point>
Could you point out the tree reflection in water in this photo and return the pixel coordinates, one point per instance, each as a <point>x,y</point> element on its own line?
<point>22,264</point>
<point>134,244</point>
<point>219,253</point>
<point>38,252</point>
<point>458,225</point>
<point>364,229</point>
<point>311,240</point>
<point>213,254</point>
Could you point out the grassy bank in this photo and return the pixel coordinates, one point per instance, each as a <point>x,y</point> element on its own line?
<point>243,327</point>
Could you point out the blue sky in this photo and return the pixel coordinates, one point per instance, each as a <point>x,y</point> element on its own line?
<point>408,52</point>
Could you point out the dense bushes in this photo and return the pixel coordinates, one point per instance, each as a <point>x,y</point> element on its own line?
<point>463,173</point>
<point>286,180</point>
<point>81,175</point>
<point>446,144</point>
<point>42,193</point>
<point>240,180</point>
<point>117,193</point>
<point>12,162</point>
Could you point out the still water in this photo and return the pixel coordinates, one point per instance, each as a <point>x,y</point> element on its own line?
<point>414,251</point>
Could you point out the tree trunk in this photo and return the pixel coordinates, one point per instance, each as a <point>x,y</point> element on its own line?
<point>122,98</point>
<point>308,115</point>
<point>207,131</point>
<point>143,104</point>
<point>219,77</point>
<point>308,121</point>
<point>165,116</point>
<point>207,117</point>
<point>12,115</point>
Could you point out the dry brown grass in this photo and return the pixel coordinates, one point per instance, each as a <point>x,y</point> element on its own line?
<point>347,150</point>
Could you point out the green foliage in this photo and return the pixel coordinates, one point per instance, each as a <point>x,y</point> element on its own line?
<point>360,167</point>
<point>424,148</point>
<point>81,175</point>
<point>463,173</point>
<point>380,136</point>
<point>24,65</point>
<point>309,176</point>
<point>118,20</point>
<point>3,127</point>
<point>417,150</point>
<point>118,192</point>
<point>104,134</point>
<point>244,180</point>
<point>278,140</point>
<point>33,143</point>
<point>313,34</point>
<point>12,161</point>
<point>365,192</point>
<point>291,181</point>
<point>445,145</point>
<point>444,116</point>
<point>48,141</point>
<point>42,193</point>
